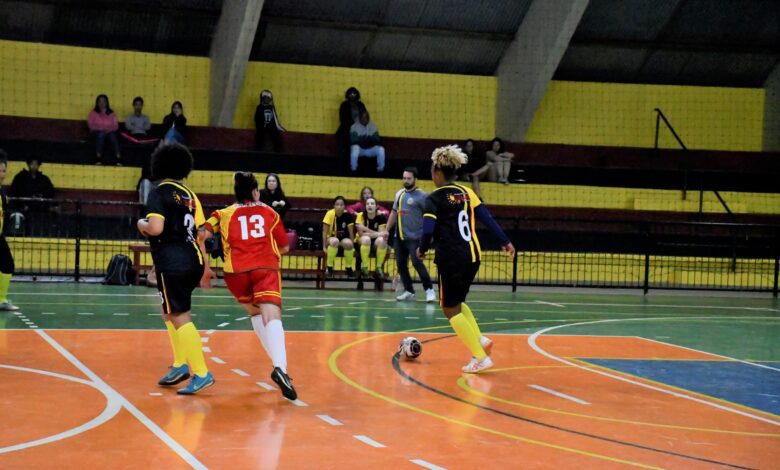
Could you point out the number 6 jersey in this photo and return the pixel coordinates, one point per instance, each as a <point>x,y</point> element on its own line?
<point>176,249</point>
<point>252,234</point>
<point>452,206</point>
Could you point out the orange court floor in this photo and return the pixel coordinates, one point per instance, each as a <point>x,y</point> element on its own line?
<point>581,380</point>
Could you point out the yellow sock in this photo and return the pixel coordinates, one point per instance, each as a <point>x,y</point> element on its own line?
<point>381,254</point>
<point>5,284</point>
<point>466,311</point>
<point>190,344</point>
<point>178,357</point>
<point>466,334</point>
<point>332,252</point>
<point>349,258</point>
<point>365,253</point>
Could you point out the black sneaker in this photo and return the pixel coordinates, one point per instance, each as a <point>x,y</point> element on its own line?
<point>350,272</point>
<point>285,384</point>
<point>329,272</point>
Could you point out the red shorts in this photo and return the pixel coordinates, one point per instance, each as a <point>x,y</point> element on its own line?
<point>257,286</point>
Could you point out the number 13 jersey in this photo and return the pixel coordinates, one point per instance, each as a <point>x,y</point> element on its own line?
<point>176,250</point>
<point>452,206</point>
<point>251,236</point>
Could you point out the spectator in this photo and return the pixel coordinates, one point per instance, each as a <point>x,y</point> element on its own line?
<point>349,112</point>
<point>371,226</point>
<point>174,125</point>
<point>407,215</point>
<point>103,124</point>
<point>267,122</point>
<point>365,142</point>
<point>477,168</point>
<point>32,183</point>
<point>137,123</point>
<point>273,195</point>
<point>360,206</point>
<point>501,160</point>
<point>338,230</point>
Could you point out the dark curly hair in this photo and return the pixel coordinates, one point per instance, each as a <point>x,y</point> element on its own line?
<point>171,161</point>
<point>244,182</point>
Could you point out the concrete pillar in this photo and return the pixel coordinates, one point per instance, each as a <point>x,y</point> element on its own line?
<point>772,111</point>
<point>530,61</point>
<point>230,49</point>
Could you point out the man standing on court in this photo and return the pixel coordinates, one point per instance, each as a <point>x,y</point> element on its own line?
<point>407,217</point>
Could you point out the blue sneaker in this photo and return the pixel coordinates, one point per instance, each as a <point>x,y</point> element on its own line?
<point>175,375</point>
<point>197,384</point>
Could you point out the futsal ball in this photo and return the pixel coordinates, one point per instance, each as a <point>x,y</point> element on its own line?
<point>410,348</point>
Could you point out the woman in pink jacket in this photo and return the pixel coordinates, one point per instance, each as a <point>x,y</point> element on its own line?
<point>103,124</point>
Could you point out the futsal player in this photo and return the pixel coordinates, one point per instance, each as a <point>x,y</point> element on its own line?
<point>450,215</point>
<point>338,230</point>
<point>6,258</point>
<point>173,225</point>
<point>253,240</point>
<point>371,226</point>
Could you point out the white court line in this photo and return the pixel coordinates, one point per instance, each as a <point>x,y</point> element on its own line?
<point>265,386</point>
<point>18,313</point>
<point>121,314</point>
<point>380,317</point>
<point>323,306</point>
<point>412,318</point>
<point>549,303</point>
<point>222,325</point>
<point>108,391</point>
<point>558,394</point>
<point>204,340</point>
<point>318,316</point>
<point>242,318</point>
<point>210,332</point>
<point>368,440</point>
<point>221,315</point>
<point>85,313</point>
<point>532,342</point>
<point>355,303</point>
<point>152,314</point>
<point>240,372</point>
<point>292,309</point>
<point>298,403</point>
<point>351,316</point>
<point>501,319</point>
<point>331,421</point>
<point>709,353</point>
<point>427,465</point>
<point>217,360</point>
<point>206,349</point>
<point>33,326</point>
<point>155,394</point>
<point>288,316</point>
<point>48,313</point>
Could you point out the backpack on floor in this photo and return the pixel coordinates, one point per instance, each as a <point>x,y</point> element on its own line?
<point>119,271</point>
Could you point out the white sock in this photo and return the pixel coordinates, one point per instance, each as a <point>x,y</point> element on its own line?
<point>260,331</point>
<point>275,336</point>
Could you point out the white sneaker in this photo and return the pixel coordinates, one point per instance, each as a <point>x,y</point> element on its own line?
<point>405,296</point>
<point>487,344</point>
<point>430,295</point>
<point>475,366</point>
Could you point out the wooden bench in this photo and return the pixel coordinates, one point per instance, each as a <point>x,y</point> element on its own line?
<point>318,271</point>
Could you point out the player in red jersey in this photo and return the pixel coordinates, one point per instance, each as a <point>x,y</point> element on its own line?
<point>253,239</point>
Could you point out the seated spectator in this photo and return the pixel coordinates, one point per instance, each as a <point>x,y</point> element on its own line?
<point>349,112</point>
<point>338,230</point>
<point>31,183</point>
<point>372,233</point>
<point>174,125</point>
<point>501,160</point>
<point>103,124</point>
<point>267,122</point>
<point>273,195</point>
<point>360,206</point>
<point>364,137</point>
<point>477,168</point>
<point>137,124</point>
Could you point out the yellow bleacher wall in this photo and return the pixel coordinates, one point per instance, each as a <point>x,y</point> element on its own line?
<point>42,80</point>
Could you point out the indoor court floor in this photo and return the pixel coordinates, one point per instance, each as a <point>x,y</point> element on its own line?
<point>582,380</point>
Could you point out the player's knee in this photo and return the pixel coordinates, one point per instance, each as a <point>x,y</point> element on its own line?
<point>380,242</point>
<point>333,242</point>
<point>365,240</point>
<point>346,244</point>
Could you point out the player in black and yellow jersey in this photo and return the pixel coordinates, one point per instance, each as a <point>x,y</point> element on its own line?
<point>338,230</point>
<point>371,226</point>
<point>450,216</point>
<point>6,258</point>
<point>172,224</point>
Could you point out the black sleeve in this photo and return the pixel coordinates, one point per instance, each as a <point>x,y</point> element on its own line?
<point>48,187</point>
<point>345,114</point>
<point>154,204</point>
<point>258,118</point>
<point>15,189</point>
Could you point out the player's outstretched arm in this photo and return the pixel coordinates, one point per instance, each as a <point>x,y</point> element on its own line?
<point>208,273</point>
<point>483,215</point>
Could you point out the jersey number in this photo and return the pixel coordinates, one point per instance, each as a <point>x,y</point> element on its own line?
<point>189,224</point>
<point>463,225</point>
<point>258,227</point>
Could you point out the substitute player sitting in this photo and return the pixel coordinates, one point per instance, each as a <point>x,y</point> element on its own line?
<point>371,226</point>
<point>253,240</point>
<point>173,225</point>
<point>338,230</point>
<point>450,215</point>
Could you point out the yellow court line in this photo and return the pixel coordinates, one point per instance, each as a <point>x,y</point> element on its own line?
<point>465,386</point>
<point>333,365</point>
<point>661,384</point>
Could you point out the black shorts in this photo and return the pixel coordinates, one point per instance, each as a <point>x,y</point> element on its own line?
<point>176,290</point>
<point>6,258</point>
<point>455,282</point>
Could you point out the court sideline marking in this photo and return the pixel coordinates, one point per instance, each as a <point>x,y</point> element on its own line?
<point>532,343</point>
<point>110,392</point>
